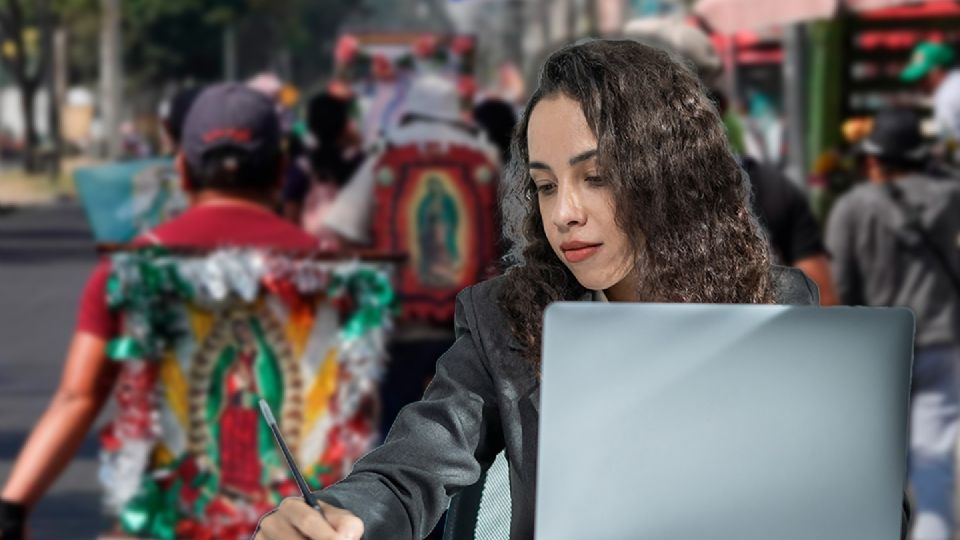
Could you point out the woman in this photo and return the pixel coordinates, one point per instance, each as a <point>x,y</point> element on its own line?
<point>622,188</point>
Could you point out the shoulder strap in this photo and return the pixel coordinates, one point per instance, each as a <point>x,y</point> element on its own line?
<point>914,223</point>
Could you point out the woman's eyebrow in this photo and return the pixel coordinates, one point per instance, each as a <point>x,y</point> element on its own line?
<point>583,156</point>
<point>539,165</point>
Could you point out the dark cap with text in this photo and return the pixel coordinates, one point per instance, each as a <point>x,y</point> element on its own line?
<point>234,116</point>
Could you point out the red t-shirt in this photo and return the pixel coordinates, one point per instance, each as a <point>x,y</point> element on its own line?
<point>209,225</point>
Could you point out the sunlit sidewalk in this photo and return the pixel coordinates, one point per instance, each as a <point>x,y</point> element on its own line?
<point>17,188</point>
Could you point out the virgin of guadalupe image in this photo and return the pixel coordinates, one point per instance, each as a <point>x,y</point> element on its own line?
<point>241,446</point>
<point>437,222</point>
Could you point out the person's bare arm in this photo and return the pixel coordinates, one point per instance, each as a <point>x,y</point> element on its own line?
<point>817,268</point>
<point>85,385</point>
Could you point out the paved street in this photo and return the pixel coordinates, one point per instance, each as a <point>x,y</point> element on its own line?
<point>45,256</point>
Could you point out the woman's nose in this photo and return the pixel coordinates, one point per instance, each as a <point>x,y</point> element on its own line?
<point>569,210</point>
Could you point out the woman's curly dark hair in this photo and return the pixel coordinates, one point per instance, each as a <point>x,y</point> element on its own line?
<point>680,194</point>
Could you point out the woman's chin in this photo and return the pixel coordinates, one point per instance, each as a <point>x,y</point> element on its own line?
<point>592,282</point>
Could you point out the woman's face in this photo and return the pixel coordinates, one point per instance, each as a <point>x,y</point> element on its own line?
<point>576,204</point>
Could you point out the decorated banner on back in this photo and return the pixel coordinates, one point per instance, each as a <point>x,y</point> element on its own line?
<point>436,201</point>
<point>204,337</point>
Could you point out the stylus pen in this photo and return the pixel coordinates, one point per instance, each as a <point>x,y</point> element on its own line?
<point>301,483</point>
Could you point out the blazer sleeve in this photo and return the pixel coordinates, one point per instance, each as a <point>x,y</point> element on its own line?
<point>436,446</point>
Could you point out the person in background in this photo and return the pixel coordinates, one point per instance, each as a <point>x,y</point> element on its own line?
<point>783,211</point>
<point>932,65</point>
<point>338,152</point>
<point>298,179</point>
<point>157,186</point>
<point>436,166</point>
<point>332,155</point>
<point>763,130</point>
<point>231,163</point>
<point>894,242</point>
<point>176,115</point>
<point>785,214</point>
<point>497,119</point>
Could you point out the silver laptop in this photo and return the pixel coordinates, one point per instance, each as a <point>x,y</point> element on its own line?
<point>723,422</point>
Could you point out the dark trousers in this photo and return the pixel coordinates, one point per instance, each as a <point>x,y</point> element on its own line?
<point>412,365</point>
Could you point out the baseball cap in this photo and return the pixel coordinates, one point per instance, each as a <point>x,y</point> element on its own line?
<point>926,57</point>
<point>895,135</point>
<point>231,115</point>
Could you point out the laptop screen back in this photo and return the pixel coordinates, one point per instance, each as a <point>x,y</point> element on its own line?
<point>685,422</point>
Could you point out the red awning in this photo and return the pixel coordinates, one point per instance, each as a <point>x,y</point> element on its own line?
<point>941,8</point>
<point>870,5</point>
<point>731,16</point>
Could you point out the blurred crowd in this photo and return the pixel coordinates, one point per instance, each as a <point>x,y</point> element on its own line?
<point>403,154</point>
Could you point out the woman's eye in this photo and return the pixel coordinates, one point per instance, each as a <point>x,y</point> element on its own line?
<point>545,189</point>
<point>595,180</point>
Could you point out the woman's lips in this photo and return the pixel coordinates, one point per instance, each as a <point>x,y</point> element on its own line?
<point>575,252</point>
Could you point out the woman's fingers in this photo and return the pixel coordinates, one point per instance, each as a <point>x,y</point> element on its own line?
<point>348,525</point>
<point>294,520</point>
<point>276,527</point>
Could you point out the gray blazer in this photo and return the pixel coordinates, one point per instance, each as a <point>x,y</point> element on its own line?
<point>484,398</point>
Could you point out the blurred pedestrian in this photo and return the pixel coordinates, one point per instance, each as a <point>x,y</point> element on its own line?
<point>231,163</point>
<point>497,119</point>
<point>331,156</point>
<point>429,191</point>
<point>134,144</point>
<point>932,64</point>
<point>299,175</point>
<point>783,210</point>
<point>894,242</point>
<point>338,151</point>
<point>176,114</point>
<point>156,188</point>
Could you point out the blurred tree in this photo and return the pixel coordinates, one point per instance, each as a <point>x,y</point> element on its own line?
<point>170,41</point>
<point>80,19</point>
<point>25,59</point>
<point>296,40</point>
<point>178,39</point>
<point>175,39</point>
<point>26,37</point>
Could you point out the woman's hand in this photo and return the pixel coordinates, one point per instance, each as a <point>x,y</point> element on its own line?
<point>294,520</point>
